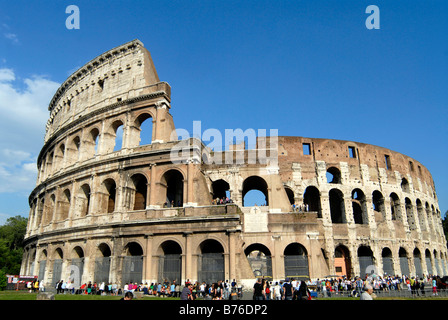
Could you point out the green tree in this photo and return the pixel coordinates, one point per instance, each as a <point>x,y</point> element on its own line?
<point>11,244</point>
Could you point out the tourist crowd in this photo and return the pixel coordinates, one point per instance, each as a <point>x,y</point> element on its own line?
<point>289,289</point>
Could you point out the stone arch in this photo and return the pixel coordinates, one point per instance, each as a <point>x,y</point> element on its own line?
<point>337,206</point>
<point>359,207</point>
<point>170,261</point>
<point>366,261</point>
<point>260,260</point>
<point>173,182</point>
<point>63,205</point>
<point>77,252</point>
<point>91,142</point>
<point>428,261</point>
<point>113,136</point>
<point>132,270</point>
<point>418,263</point>
<point>378,203</point>
<point>405,185</point>
<point>420,214</point>
<point>395,206</point>
<point>50,208</point>
<point>334,175</point>
<point>296,261</point>
<point>142,132</point>
<point>290,194</point>
<point>410,214</point>
<point>58,255</point>
<point>140,190</point>
<point>59,157</point>
<point>220,189</point>
<point>342,261</point>
<point>102,263</point>
<point>108,195</point>
<point>211,266</point>
<point>255,183</point>
<point>404,261</point>
<point>388,261</point>
<point>83,200</point>
<point>311,197</point>
<point>73,150</point>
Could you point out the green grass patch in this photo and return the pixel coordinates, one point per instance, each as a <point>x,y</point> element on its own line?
<point>24,295</point>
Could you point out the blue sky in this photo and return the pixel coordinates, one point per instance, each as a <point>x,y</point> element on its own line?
<point>307,68</point>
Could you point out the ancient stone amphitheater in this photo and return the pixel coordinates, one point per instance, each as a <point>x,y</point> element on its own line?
<point>112,204</point>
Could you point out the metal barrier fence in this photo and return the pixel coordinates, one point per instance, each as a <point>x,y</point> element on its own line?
<point>403,293</point>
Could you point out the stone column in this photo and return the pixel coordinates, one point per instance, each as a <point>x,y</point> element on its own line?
<point>152,187</point>
<point>188,256</point>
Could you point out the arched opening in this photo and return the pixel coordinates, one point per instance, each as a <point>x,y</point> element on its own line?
<point>57,266</point>
<point>436,263</point>
<point>333,175</point>
<point>410,214</point>
<point>140,186</point>
<point>220,189</point>
<point>260,261</point>
<point>388,262</point>
<point>296,262</point>
<point>342,261</point>
<point>109,192</point>
<point>63,205</point>
<point>84,200</point>
<point>170,262</point>
<point>428,261</point>
<point>366,261</point>
<point>359,207</point>
<point>73,150</point>
<point>42,265</point>
<point>211,262</point>
<point>429,217</point>
<point>145,126</point>
<point>395,206</point>
<point>49,209</point>
<point>102,263</point>
<point>255,192</point>
<point>378,203</point>
<point>420,215</point>
<point>418,263</point>
<point>59,157</point>
<point>337,207</point>
<point>404,263</point>
<point>405,185</point>
<point>91,144</point>
<point>311,197</point>
<point>173,180</point>
<point>132,263</point>
<point>117,135</point>
<point>290,195</point>
<point>77,266</point>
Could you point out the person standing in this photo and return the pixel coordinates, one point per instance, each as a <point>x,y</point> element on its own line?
<point>367,294</point>
<point>288,290</point>
<point>258,290</point>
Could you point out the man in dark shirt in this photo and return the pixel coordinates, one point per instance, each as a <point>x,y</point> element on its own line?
<point>186,292</point>
<point>258,290</point>
<point>288,290</point>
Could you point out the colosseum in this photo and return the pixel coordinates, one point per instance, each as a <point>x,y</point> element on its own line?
<point>113,204</point>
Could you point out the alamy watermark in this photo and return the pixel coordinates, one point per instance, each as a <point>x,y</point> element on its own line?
<point>234,147</point>
<point>73,20</point>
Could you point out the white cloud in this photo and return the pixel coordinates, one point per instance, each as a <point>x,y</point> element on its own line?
<point>12,36</point>
<point>23,115</point>
<point>7,75</point>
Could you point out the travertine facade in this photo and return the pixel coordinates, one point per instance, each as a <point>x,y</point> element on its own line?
<point>103,211</point>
